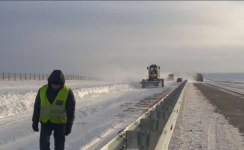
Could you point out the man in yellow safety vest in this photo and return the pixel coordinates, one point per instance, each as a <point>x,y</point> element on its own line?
<point>54,108</point>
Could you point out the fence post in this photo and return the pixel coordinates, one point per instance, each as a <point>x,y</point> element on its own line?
<point>25,76</point>
<point>43,77</point>
<point>30,76</point>
<point>34,76</point>
<point>3,75</point>
<point>20,76</point>
<point>39,77</point>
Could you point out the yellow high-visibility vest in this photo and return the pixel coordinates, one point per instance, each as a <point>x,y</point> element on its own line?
<point>56,111</point>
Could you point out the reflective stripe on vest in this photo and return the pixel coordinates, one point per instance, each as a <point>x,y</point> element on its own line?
<point>52,114</point>
<point>56,111</point>
<point>53,107</point>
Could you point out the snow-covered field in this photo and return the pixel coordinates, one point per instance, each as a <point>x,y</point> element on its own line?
<point>199,127</point>
<point>102,110</point>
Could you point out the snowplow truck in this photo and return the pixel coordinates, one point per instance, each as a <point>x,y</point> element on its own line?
<point>153,77</point>
<point>199,77</point>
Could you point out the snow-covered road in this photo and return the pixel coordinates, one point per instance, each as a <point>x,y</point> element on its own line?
<point>102,110</point>
<point>199,126</point>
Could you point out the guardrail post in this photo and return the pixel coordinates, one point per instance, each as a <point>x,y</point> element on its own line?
<point>148,124</point>
<point>132,140</point>
<point>137,140</point>
<point>142,140</point>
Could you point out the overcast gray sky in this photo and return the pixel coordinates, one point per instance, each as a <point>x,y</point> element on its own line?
<point>121,38</point>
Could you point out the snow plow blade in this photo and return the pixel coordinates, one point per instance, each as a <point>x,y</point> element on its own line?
<point>155,84</point>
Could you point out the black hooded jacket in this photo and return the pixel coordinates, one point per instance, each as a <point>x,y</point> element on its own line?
<point>55,77</point>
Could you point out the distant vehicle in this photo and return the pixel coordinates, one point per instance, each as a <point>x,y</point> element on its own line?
<point>153,77</point>
<point>179,80</point>
<point>171,77</point>
<point>199,77</point>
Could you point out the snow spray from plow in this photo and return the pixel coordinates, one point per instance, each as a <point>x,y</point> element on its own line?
<point>153,130</point>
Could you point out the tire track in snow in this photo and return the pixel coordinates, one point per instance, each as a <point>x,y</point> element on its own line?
<point>212,144</point>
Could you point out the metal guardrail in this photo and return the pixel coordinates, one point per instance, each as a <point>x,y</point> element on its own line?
<point>150,131</point>
<point>165,137</point>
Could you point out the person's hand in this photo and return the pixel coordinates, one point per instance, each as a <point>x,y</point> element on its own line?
<point>35,127</point>
<point>68,129</point>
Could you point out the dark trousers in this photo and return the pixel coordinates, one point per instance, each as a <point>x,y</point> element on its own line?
<point>59,137</point>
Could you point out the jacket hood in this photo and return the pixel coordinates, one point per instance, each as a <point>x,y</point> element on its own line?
<point>56,76</point>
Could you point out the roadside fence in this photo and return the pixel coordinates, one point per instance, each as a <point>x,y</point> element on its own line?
<point>31,76</point>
